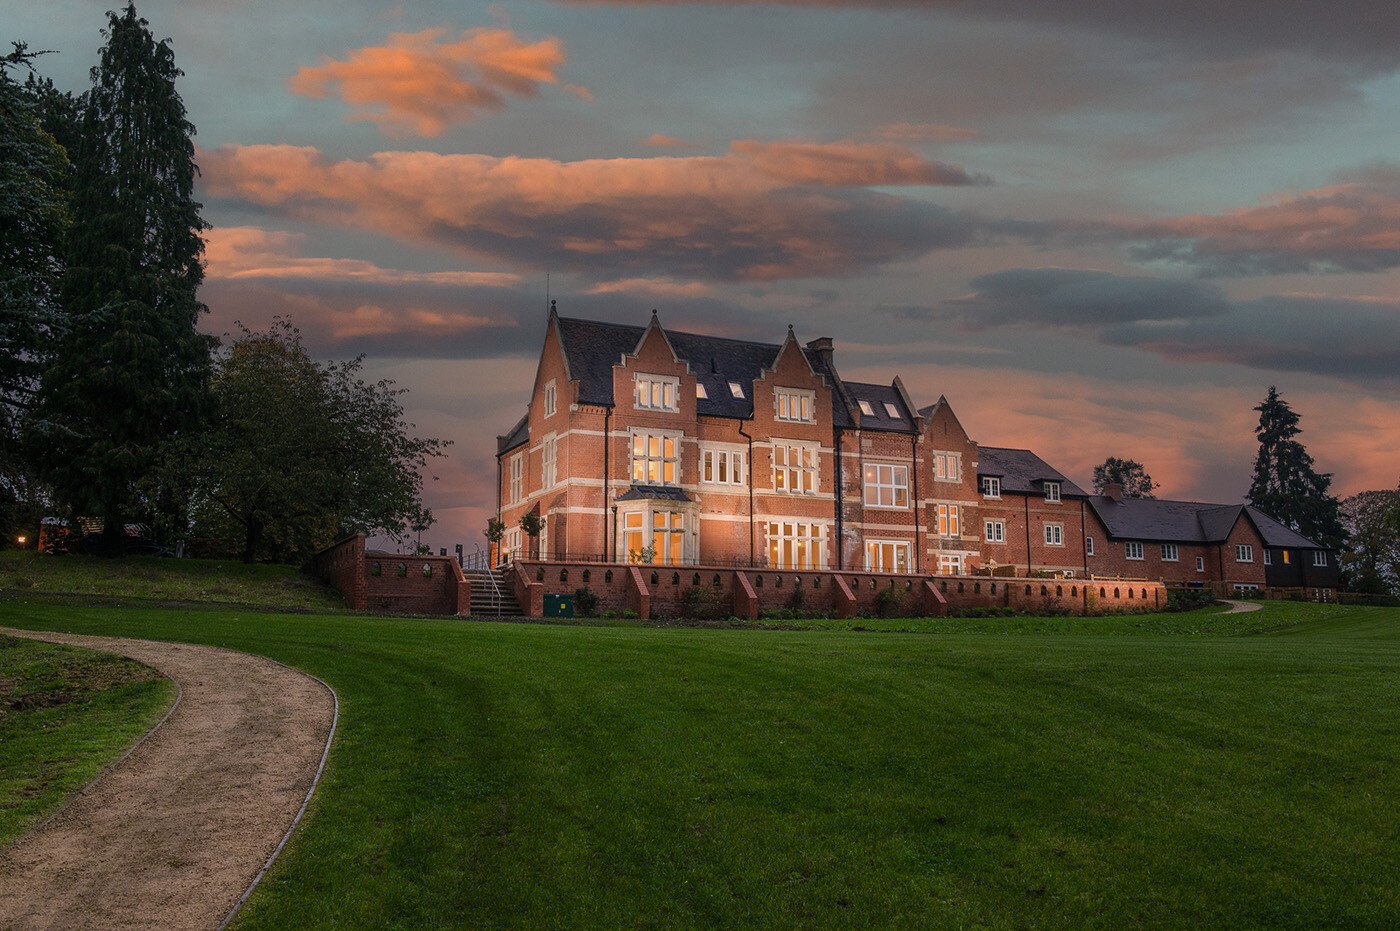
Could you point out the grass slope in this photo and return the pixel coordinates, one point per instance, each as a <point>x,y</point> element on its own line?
<point>65,713</point>
<point>1021,774</point>
<point>175,580</point>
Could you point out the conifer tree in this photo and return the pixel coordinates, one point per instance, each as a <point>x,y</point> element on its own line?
<point>131,370</point>
<point>1286,486</point>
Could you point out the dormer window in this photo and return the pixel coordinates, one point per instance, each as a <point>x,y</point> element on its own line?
<point>991,487</point>
<point>736,389</point>
<point>866,409</point>
<point>656,392</point>
<point>1052,491</point>
<point>793,404</point>
<point>700,392</point>
<point>891,410</point>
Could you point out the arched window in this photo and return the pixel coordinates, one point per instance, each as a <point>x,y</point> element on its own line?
<point>402,570</point>
<point>960,588</point>
<point>1028,589</point>
<point>1101,592</point>
<point>607,577</point>
<point>563,575</point>
<point>1044,590</point>
<point>696,580</point>
<point>539,574</point>
<point>758,581</point>
<point>1074,591</point>
<point>1144,593</point>
<point>655,578</point>
<point>1130,593</point>
<point>715,580</point>
<point>1059,591</point>
<point>944,586</point>
<point>427,570</point>
<point>1117,593</point>
<point>675,578</point>
<point>585,576</point>
<point>976,588</point>
<point>376,569</point>
<point>994,588</point>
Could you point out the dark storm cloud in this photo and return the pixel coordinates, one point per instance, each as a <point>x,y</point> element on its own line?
<point>1080,298</point>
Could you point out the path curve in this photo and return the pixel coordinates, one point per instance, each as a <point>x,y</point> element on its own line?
<point>1240,607</point>
<point>175,833</point>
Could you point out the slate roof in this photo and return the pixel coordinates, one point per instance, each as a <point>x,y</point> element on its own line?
<point>519,434</point>
<point>1023,472</point>
<point>1155,519</point>
<point>877,395</point>
<point>653,493</point>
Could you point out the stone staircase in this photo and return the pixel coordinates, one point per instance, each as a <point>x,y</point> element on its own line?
<point>492,594</point>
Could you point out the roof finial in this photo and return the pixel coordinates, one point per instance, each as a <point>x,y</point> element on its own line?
<point>653,311</point>
<point>790,333</point>
<point>554,307</point>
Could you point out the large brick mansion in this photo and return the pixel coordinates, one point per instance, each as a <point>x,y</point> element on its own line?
<point>647,445</point>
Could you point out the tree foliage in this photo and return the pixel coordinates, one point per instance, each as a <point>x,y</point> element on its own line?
<point>1126,472</point>
<point>130,370</point>
<point>1286,486</point>
<point>34,220</point>
<point>299,454</point>
<point>1371,560</point>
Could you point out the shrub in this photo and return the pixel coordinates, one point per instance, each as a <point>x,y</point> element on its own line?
<point>585,602</point>
<point>889,603</point>
<point>704,603</point>
<point>1188,599</point>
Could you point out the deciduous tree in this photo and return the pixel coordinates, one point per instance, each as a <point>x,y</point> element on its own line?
<point>1126,472</point>
<point>1371,560</point>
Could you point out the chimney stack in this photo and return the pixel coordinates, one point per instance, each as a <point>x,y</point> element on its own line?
<point>1113,491</point>
<point>825,349</point>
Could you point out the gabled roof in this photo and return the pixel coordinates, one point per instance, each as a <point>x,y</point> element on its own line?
<point>1161,520</point>
<point>1022,471</point>
<point>519,434</point>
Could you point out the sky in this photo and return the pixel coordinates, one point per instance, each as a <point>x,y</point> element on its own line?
<point>1098,231</point>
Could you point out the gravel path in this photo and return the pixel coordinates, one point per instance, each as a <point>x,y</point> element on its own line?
<point>1241,607</point>
<point>173,834</point>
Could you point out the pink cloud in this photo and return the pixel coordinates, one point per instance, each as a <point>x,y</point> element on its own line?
<point>659,287</point>
<point>663,141</point>
<point>926,132</point>
<point>422,82</point>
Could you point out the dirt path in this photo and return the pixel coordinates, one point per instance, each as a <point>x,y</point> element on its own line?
<point>1240,607</point>
<point>173,834</point>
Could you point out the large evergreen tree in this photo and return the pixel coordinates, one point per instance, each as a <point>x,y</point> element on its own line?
<point>1286,486</point>
<point>33,222</point>
<point>131,370</point>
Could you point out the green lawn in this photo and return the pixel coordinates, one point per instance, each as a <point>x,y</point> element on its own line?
<point>64,715</point>
<point>1180,771</point>
<point>164,579</point>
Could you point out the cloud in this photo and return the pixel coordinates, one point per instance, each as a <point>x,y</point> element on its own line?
<point>905,131</point>
<point>663,141</point>
<point>251,252</point>
<point>1189,321</point>
<point>1353,225</point>
<point>660,287</point>
<point>762,210</point>
<point>423,82</point>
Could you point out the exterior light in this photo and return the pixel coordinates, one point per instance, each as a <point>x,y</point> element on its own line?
<point>21,539</point>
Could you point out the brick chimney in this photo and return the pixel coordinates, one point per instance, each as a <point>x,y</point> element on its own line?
<point>825,349</point>
<point>1113,491</point>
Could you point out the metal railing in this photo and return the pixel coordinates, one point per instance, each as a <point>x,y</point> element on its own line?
<point>479,564</point>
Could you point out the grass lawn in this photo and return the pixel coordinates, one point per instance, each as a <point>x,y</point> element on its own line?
<point>64,714</point>
<point>1197,769</point>
<point>164,579</point>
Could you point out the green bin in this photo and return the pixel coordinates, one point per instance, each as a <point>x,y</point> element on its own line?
<point>558,605</point>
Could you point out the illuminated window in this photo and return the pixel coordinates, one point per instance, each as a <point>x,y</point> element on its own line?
<point>1244,552</point>
<point>794,468</point>
<point>700,391</point>
<point>634,537</point>
<point>549,450</point>
<point>1052,491</point>
<point>517,478</point>
<point>950,564</point>
<point>991,487</point>
<point>655,458</point>
<point>1088,546</point>
<point>795,545</point>
<point>866,409</point>
<point>668,537</point>
<point>550,399</point>
<point>947,467</point>
<point>656,392</point>
<point>1169,552</point>
<point>1132,550</point>
<point>892,410</point>
<point>948,520</point>
<point>887,556</point>
<point>1286,560</point>
<point>722,466</point>
<point>736,389</point>
<point>794,405</point>
<point>886,486</point>
<point>996,531</point>
<point>1054,534</point>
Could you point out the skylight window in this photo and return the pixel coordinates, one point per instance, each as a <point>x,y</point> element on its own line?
<point>736,389</point>
<point>700,391</point>
<point>866,409</point>
<point>891,410</point>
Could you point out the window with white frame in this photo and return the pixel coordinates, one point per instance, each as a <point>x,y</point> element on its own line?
<point>1244,552</point>
<point>1088,546</point>
<point>886,486</point>
<point>517,478</point>
<point>700,392</point>
<point>991,487</point>
<point>892,410</point>
<point>1200,564</point>
<point>1054,534</point>
<point>996,531</point>
<point>947,467</point>
<point>887,556</point>
<point>1132,551</point>
<point>949,520</point>
<point>1169,552</point>
<point>668,537</point>
<point>656,392</point>
<point>510,546</point>
<point>736,389</point>
<point>1319,557</point>
<point>794,468</point>
<point>721,466</point>
<point>549,450</point>
<point>795,545</point>
<point>950,563</point>
<point>866,409</point>
<point>655,458</point>
<point>1052,491</point>
<point>550,399</point>
<point>795,404</point>
<point>1269,557</point>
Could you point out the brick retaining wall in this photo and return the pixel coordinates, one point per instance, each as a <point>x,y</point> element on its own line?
<point>372,581</point>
